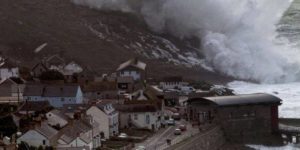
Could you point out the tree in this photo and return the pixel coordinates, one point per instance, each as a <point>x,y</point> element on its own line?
<point>51,75</point>
<point>7,126</point>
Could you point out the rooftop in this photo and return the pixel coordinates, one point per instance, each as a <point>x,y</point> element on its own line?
<point>133,63</point>
<point>51,90</point>
<point>136,108</point>
<point>46,130</point>
<point>245,99</point>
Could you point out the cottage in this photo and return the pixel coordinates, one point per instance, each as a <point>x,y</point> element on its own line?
<point>132,68</point>
<point>56,118</point>
<point>38,69</point>
<point>8,70</point>
<point>69,70</point>
<point>43,135</point>
<point>106,116</point>
<point>11,90</point>
<point>79,133</point>
<point>241,116</point>
<point>142,116</point>
<point>56,95</point>
<point>54,62</point>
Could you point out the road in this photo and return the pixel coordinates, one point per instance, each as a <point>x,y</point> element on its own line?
<point>159,140</point>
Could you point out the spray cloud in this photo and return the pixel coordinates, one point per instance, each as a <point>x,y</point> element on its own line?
<point>238,36</point>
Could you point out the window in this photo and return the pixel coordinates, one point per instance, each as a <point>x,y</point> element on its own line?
<point>135,117</point>
<point>44,142</point>
<point>62,99</point>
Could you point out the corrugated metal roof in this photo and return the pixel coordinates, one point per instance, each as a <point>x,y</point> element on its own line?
<point>244,99</point>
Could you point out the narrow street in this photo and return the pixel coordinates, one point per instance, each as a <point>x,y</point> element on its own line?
<point>159,140</point>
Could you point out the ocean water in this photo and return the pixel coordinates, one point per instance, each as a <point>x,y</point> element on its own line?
<point>287,147</point>
<point>289,32</point>
<point>288,92</point>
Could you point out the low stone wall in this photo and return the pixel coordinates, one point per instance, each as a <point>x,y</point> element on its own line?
<point>212,139</point>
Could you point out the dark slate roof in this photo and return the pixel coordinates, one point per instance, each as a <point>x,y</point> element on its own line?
<point>74,129</point>
<point>47,131</point>
<point>40,64</point>
<point>35,106</point>
<point>244,99</point>
<point>50,90</point>
<point>136,108</point>
<point>100,86</point>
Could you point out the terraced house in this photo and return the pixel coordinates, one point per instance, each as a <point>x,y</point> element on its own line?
<point>56,95</point>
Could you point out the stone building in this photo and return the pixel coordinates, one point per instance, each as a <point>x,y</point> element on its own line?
<point>242,117</point>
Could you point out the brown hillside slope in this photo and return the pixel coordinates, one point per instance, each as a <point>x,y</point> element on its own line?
<point>98,39</point>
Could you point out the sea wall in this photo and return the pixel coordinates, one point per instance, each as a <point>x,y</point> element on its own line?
<point>212,139</point>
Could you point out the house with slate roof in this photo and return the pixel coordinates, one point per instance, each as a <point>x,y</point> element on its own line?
<point>42,135</point>
<point>56,95</point>
<point>132,68</point>
<point>80,133</point>
<point>142,116</point>
<point>106,116</point>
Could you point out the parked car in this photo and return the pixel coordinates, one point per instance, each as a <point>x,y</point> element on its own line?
<point>177,132</point>
<point>171,122</point>
<point>123,135</point>
<point>182,127</point>
<point>141,147</point>
<point>186,90</point>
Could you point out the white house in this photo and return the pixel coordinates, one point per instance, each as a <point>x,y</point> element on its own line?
<point>43,135</point>
<point>56,118</point>
<point>143,116</point>
<point>106,116</point>
<point>80,133</point>
<point>57,95</point>
<point>7,70</point>
<point>132,68</point>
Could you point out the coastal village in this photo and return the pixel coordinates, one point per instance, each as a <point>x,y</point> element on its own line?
<point>59,104</point>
